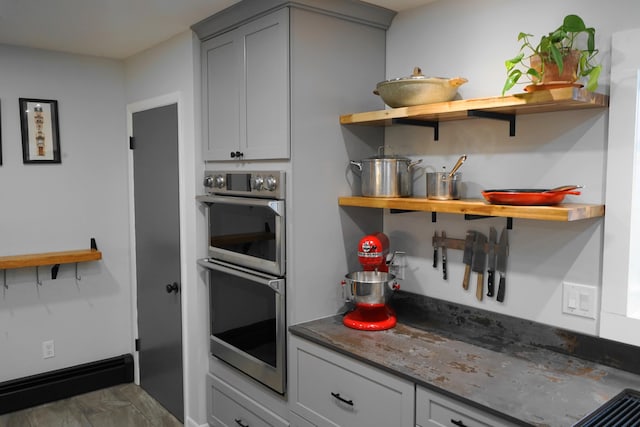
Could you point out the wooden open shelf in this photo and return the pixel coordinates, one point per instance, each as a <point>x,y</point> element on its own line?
<point>562,212</point>
<point>561,99</point>
<point>500,107</point>
<point>49,258</point>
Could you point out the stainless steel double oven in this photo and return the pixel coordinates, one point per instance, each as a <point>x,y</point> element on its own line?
<point>246,267</point>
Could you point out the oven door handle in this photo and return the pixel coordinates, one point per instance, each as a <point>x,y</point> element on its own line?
<point>274,283</point>
<point>276,206</point>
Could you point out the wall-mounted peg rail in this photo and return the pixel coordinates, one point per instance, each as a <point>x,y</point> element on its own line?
<point>50,258</point>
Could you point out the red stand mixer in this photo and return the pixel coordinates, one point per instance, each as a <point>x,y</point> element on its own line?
<point>372,287</point>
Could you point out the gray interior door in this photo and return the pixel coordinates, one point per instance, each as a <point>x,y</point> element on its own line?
<point>157,232</point>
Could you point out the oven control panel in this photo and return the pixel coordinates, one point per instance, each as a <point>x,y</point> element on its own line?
<point>269,184</point>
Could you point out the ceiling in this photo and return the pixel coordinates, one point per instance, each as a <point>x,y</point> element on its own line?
<point>112,28</point>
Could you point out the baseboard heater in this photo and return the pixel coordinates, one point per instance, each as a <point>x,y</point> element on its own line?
<point>35,390</point>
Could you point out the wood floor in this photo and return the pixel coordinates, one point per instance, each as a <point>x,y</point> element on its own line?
<point>125,405</point>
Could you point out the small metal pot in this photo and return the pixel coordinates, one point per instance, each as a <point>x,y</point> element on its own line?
<point>371,287</point>
<point>386,176</point>
<point>441,186</point>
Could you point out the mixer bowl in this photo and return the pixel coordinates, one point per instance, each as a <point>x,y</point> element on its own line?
<point>371,287</point>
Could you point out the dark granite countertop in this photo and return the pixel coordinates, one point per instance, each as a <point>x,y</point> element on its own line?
<point>522,371</point>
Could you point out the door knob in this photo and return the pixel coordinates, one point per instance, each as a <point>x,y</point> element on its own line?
<point>173,287</point>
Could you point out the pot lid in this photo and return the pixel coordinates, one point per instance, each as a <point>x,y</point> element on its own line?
<point>388,157</point>
<point>416,75</point>
<point>382,156</point>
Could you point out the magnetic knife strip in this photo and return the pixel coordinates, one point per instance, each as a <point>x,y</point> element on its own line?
<point>490,249</point>
<point>450,243</point>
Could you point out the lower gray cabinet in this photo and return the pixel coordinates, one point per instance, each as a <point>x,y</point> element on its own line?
<point>296,420</point>
<point>436,410</point>
<point>332,390</point>
<point>228,407</point>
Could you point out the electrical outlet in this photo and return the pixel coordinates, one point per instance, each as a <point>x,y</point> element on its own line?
<point>48,349</point>
<point>579,300</point>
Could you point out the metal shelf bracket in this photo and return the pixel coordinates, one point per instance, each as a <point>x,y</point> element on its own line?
<point>511,118</point>
<point>470,217</point>
<point>424,123</point>
<point>399,211</point>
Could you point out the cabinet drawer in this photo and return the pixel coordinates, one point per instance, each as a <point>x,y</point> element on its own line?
<point>435,410</point>
<point>332,390</point>
<point>228,407</point>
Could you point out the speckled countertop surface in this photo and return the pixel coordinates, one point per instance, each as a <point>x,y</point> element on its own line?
<point>482,359</point>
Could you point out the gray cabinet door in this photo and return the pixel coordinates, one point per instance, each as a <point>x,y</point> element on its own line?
<point>265,92</point>
<point>246,91</point>
<point>222,62</point>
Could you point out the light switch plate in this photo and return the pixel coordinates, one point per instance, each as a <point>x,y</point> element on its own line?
<point>579,300</point>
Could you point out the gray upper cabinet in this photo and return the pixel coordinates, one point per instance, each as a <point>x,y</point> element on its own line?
<point>246,91</point>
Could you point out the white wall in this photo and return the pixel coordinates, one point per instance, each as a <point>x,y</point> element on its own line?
<point>172,70</point>
<point>58,207</point>
<point>472,39</point>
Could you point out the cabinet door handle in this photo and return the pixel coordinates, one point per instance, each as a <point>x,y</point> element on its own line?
<point>342,399</point>
<point>240,423</point>
<point>458,423</point>
<point>237,154</point>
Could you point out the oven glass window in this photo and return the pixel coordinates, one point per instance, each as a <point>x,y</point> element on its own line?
<point>246,230</point>
<point>243,314</point>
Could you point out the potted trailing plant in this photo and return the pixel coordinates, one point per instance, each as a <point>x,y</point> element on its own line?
<point>548,59</point>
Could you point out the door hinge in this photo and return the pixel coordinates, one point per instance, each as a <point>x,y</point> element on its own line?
<point>137,344</point>
<point>132,142</point>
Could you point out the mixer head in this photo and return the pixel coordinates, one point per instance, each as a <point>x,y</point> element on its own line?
<point>372,252</point>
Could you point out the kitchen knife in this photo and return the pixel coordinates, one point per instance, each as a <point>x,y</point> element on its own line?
<point>479,261</point>
<point>493,241</point>
<point>444,255</point>
<point>467,257</point>
<point>435,249</point>
<point>501,264</point>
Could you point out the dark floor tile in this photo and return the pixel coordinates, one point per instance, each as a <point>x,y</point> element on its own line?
<point>99,401</point>
<point>62,413</point>
<point>125,405</point>
<point>125,416</point>
<point>15,419</point>
<point>148,406</point>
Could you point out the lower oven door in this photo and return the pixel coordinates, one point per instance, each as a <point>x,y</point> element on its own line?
<point>247,321</point>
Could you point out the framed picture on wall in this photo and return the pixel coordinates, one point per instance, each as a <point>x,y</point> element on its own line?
<point>40,135</point>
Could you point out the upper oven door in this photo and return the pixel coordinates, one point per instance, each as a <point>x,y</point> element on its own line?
<point>249,232</point>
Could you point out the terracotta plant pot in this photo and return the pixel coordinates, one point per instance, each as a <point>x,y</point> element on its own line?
<point>551,74</point>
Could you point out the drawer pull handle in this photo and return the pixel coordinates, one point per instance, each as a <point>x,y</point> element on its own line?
<point>240,423</point>
<point>458,423</point>
<point>342,399</point>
